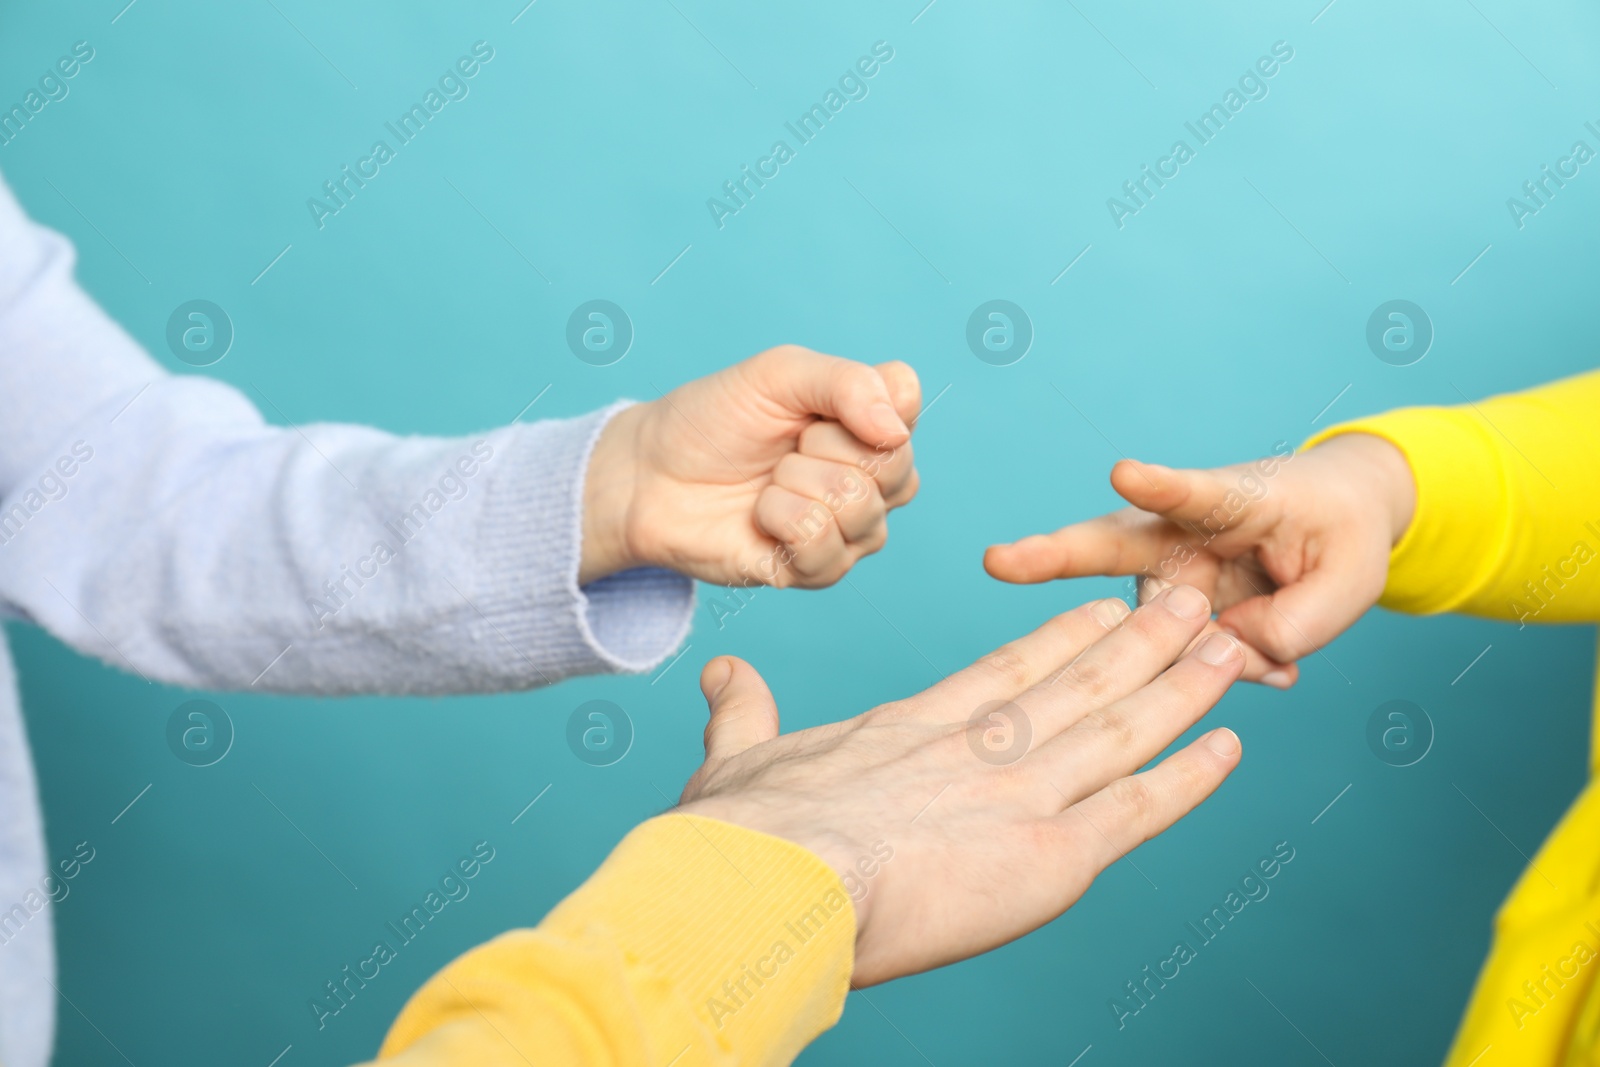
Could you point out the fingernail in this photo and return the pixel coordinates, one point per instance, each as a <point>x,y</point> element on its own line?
<point>1218,649</point>
<point>1186,602</point>
<point>887,420</point>
<point>1150,587</point>
<point>1222,741</point>
<point>1278,679</point>
<point>1110,613</point>
<point>715,684</point>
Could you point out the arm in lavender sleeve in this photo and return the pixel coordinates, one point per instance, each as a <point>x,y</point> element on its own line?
<point>158,522</point>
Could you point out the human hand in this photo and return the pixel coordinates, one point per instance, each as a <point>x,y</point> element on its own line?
<point>1291,549</point>
<point>1000,793</point>
<point>780,471</point>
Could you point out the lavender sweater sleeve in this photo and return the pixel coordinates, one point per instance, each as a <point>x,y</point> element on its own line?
<point>158,522</point>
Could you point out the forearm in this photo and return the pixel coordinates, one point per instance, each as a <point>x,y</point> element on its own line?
<point>157,521</point>
<point>697,942</point>
<point>202,547</point>
<point>1507,521</point>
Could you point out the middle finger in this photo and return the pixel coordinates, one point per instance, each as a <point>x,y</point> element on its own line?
<point>1120,663</point>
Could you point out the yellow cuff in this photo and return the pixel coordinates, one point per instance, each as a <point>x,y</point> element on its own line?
<point>755,932</point>
<point>696,942</point>
<point>1461,527</point>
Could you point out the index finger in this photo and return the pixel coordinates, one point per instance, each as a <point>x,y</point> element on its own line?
<point>1123,542</point>
<point>1019,665</point>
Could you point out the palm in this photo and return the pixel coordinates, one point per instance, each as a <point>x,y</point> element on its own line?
<point>1229,568</point>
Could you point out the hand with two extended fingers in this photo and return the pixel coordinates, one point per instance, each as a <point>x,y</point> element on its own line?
<point>1291,549</point>
<point>985,849</point>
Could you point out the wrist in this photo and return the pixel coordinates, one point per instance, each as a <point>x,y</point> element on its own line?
<point>608,492</point>
<point>858,865</point>
<point>1383,468</point>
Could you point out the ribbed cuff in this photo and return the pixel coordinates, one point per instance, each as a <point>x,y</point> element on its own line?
<point>530,546</point>
<point>1461,486</point>
<point>754,932</point>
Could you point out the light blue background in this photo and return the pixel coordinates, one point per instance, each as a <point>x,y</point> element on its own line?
<point>1208,329</point>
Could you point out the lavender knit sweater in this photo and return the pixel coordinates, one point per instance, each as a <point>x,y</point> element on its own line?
<point>155,521</point>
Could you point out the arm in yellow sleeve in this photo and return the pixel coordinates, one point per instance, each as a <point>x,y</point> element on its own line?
<point>696,942</point>
<point>1507,523</point>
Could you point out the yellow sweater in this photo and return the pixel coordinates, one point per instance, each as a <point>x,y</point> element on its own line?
<point>696,942</point>
<point>1508,527</point>
<point>699,943</point>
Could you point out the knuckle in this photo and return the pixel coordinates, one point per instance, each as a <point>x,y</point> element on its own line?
<point>875,540</point>
<point>907,490</point>
<point>1136,802</point>
<point>1069,624</point>
<point>806,518</point>
<point>893,711</point>
<point>1114,729</point>
<point>1282,642</point>
<point>1155,624</point>
<point>866,503</point>
<point>789,467</point>
<point>894,468</point>
<point>1007,665</point>
<point>850,486</point>
<point>1089,677</point>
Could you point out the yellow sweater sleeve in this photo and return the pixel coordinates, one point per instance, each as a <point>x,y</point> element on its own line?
<point>1508,504</point>
<point>696,942</point>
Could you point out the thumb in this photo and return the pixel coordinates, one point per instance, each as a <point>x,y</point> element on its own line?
<point>811,383</point>
<point>905,390</point>
<point>1293,622</point>
<point>743,713</point>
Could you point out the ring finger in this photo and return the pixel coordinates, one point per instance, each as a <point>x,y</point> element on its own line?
<point>846,491</point>
<point>893,469</point>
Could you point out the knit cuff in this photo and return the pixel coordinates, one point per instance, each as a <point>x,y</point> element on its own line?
<point>755,933</point>
<point>1461,485</point>
<point>530,547</point>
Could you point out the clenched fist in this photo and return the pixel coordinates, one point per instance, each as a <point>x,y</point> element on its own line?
<point>779,471</point>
